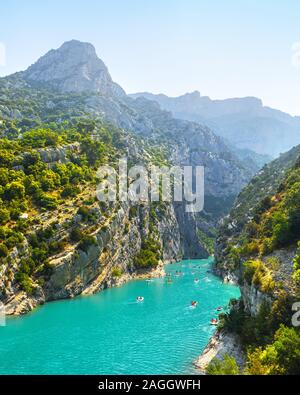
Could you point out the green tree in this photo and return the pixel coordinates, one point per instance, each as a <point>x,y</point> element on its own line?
<point>281,228</point>
<point>76,234</point>
<point>4,216</point>
<point>14,190</point>
<point>40,138</point>
<point>296,274</point>
<point>226,366</point>
<point>86,242</point>
<point>280,357</point>
<point>3,250</point>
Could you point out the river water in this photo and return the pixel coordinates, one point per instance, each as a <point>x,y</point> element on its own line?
<point>110,333</point>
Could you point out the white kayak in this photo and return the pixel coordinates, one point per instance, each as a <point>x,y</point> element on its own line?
<point>140,299</point>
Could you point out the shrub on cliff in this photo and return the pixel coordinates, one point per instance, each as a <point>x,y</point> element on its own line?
<point>25,282</point>
<point>133,212</point>
<point>149,255</point>
<point>117,272</point>
<point>3,250</point>
<point>256,273</point>
<point>226,366</point>
<point>40,138</point>
<point>86,214</point>
<point>70,191</point>
<point>4,216</point>
<point>296,274</point>
<point>14,190</point>
<point>146,259</point>
<point>86,242</point>
<point>280,357</point>
<point>76,234</point>
<point>250,268</point>
<point>46,201</point>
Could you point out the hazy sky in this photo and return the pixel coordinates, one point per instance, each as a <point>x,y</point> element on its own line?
<point>222,48</point>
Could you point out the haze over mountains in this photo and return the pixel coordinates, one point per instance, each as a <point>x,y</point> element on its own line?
<point>80,82</point>
<point>244,122</point>
<point>64,117</point>
<point>72,82</point>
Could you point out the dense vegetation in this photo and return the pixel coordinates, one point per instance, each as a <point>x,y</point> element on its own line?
<point>149,254</point>
<point>274,225</point>
<point>46,171</point>
<point>261,243</point>
<point>151,249</point>
<point>271,343</point>
<point>40,170</point>
<point>280,357</point>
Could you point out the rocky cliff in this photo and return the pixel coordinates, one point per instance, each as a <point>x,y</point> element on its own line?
<point>65,83</point>
<point>72,83</point>
<point>108,262</point>
<point>74,67</point>
<point>110,236</point>
<point>257,242</point>
<point>244,122</point>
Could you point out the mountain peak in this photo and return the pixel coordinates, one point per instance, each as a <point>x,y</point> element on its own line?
<point>195,94</point>
<point>76,43</point>
<point>74,67</point>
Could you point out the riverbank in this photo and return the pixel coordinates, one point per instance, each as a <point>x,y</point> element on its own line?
<point>157,272</point>
<point>21,303</point>
<point>110,333</point>
<point>220,344</point>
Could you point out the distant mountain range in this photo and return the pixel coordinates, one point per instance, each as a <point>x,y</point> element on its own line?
<point>244,122</point>
<point>72,82</point>
<point>64,116</point>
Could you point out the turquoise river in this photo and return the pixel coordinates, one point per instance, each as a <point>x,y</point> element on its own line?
<point>110,333</point>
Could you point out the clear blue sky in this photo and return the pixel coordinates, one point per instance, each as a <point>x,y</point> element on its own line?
<point>222,48</point>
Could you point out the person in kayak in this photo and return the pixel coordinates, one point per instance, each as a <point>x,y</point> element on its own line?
<point>140,299</point>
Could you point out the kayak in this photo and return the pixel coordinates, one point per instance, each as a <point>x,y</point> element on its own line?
<point>140,299</point>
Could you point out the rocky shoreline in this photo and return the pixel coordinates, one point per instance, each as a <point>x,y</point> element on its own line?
<point>21,303</point>
<point>158,272</point>
<point>220,344</point>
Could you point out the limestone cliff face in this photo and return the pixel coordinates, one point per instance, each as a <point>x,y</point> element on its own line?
<point>59,154</point>
<point>116,245</point>
<point>253,299</point>
<point>74,82</point>
<point>234,237</point>
<point>78,272</point>
<point>74,67</point>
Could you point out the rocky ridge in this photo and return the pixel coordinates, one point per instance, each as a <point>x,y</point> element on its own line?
<point>73,82</point>
<point>264,130</point>
<point>74,67</point>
